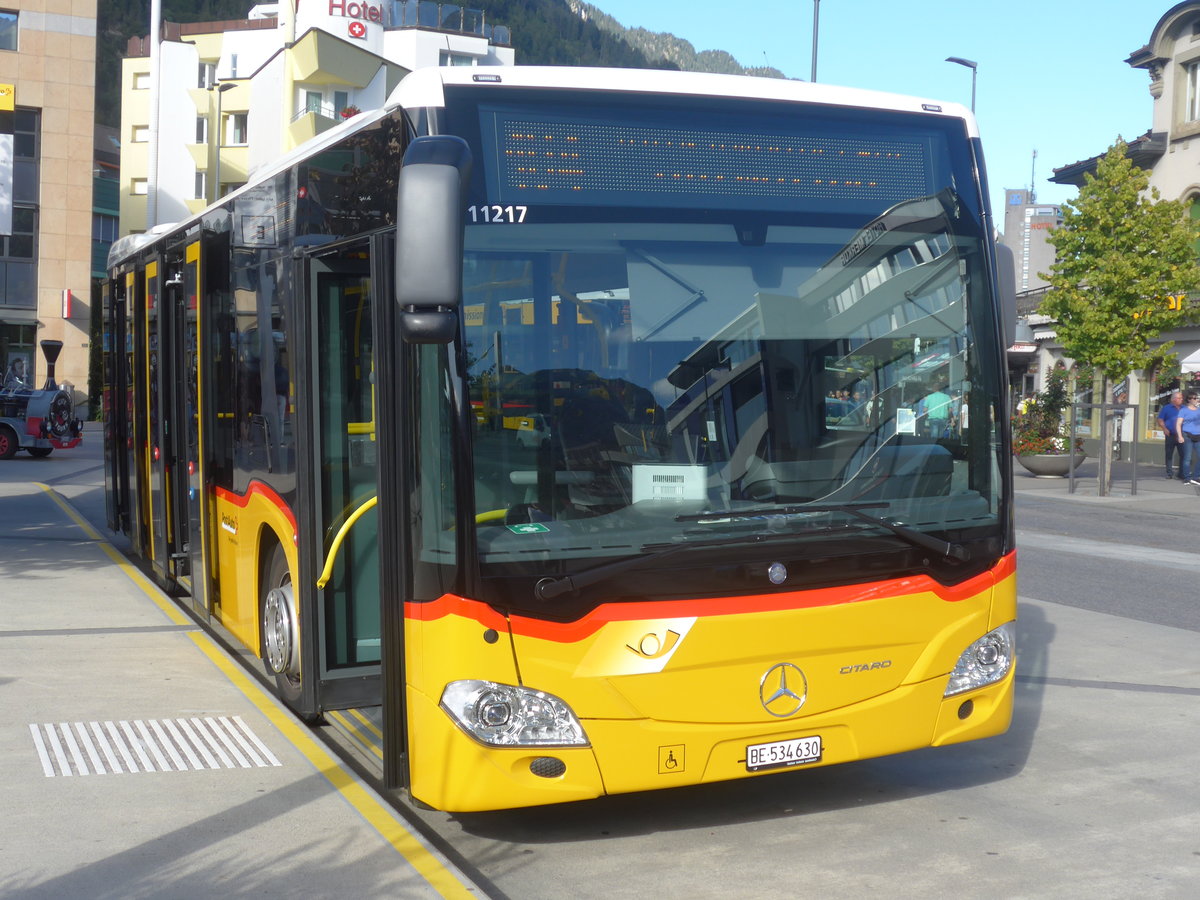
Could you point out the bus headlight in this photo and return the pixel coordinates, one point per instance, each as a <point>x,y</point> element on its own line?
<point>501,715</point>
<point>985,662</point>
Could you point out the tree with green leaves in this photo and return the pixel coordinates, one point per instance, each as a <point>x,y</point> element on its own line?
<point>1125,264</point>
<point>1122,255</point>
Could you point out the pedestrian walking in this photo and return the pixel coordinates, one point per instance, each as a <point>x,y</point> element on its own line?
<point>1166,424</point>
<point>1187,430</point>
<point>935,408</point>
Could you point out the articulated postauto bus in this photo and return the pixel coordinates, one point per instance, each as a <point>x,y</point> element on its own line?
<point>592,431</point>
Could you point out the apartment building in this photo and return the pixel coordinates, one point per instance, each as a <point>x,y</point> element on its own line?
<point>47,101</point>
<point>233,96</point>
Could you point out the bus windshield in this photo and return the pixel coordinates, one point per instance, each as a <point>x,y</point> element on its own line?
<point>772,377</point>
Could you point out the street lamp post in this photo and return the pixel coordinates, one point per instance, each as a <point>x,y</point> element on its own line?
<point>221,88</point>
<point>974,67</point>
<point>816,22</point>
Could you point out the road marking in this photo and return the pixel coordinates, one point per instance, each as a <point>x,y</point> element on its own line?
<point>148,746</point>
<point>1065,543</point>
<point>361,736</point>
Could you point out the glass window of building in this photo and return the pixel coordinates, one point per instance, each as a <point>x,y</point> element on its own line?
<point>8,29</point>
<point>18,261</point>
<point>18,250</point>
<point>1191,110</point>
<point>104,228</point>
<point>237,132</point>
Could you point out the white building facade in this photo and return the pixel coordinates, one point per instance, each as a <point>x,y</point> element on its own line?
<point>231,97</point>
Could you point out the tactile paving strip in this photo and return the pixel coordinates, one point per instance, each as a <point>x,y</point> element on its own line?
<point>150,745</point>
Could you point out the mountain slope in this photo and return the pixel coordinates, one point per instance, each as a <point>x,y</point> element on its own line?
<point>666,47</point>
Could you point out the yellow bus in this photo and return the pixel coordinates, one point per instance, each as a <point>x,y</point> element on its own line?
<point>702,529</point>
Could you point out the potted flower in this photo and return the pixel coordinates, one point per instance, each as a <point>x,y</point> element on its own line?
<point>1040,436</point>
<point>349,112</point>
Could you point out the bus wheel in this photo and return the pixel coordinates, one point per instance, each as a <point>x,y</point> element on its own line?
<point>8,442</point>
<point>40,452</point>
<point>280,634</point>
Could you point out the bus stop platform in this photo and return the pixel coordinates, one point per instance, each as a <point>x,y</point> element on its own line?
<point>139,760</point>
<point>1135,488</point>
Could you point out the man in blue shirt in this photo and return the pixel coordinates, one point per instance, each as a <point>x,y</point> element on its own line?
<point>1166,423</point>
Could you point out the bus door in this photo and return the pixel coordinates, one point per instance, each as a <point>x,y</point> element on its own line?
<point>342,298</point>
<point>189,462</point>
<point>115,397</point>
<point>173,392</point>
<point>157,450</point>
<point>136,442</point>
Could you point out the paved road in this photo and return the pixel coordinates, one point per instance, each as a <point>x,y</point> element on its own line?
<point>1113,559</point>
<point>1092,793</point>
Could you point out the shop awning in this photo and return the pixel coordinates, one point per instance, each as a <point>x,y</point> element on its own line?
<point>1191,362</point>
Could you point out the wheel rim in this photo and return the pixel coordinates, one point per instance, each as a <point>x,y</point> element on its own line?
<point>280,646</point>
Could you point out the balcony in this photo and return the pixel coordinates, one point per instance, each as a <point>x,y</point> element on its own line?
<point>446,17</point>
<point>320,58</point>
<point>308,123</point>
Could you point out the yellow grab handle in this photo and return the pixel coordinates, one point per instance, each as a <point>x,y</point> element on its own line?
<point>327,572</point>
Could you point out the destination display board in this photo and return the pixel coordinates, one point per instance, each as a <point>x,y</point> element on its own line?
<point>624,158</point>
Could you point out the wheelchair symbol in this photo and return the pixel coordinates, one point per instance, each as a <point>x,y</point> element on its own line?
<point>670,759</point>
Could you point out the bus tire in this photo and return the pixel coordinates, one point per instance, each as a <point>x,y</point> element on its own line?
<point>40,452</point>
<point>8,442</point>
<point>280,632</point>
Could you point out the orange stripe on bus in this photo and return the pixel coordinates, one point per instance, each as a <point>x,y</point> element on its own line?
<point>570,632</point>
<point>241,501</point>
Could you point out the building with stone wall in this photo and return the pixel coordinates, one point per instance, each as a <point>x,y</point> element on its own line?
<point>47,80</point>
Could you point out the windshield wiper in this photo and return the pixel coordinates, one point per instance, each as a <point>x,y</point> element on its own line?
<point>549,588</point>
<point>911,535</point>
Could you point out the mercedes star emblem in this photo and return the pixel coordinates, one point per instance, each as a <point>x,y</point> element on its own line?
<point>783,690</point>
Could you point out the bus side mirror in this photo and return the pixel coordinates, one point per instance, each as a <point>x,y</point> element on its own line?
<point>1006,285</point>
<point>429,237</point>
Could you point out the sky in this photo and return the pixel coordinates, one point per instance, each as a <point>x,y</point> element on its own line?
<point>1051,74</point>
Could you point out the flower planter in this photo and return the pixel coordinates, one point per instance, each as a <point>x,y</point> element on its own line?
<point>1051,465</point>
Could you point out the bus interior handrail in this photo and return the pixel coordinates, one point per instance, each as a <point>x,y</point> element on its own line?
<point>340,537</point>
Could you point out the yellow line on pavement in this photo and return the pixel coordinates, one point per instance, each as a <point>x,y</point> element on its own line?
<point>377,813</point>
<point>356,733</point>
<point>380,816</point>
<point>172,612</point>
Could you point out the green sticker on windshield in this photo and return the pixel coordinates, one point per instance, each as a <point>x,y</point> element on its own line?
<point>528,528</point>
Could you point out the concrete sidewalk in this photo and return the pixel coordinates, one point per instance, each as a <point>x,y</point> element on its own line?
<point>139,761</point>
<point>1152,492</point>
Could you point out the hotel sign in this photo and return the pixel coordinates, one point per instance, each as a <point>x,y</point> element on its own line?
<point>360,21</point>
<point>359,14</point>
